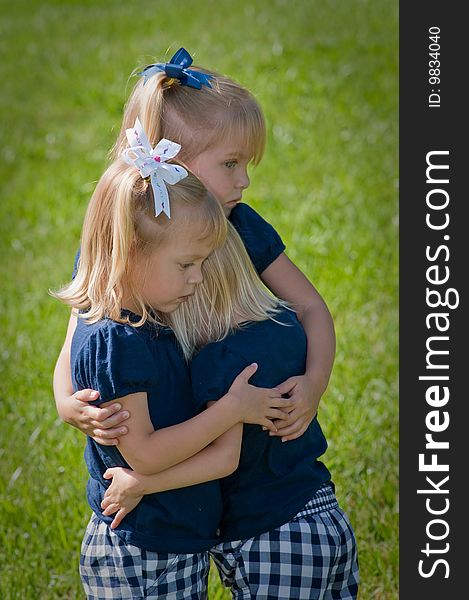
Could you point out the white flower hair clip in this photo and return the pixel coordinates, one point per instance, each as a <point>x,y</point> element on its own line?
<point>152,163</point>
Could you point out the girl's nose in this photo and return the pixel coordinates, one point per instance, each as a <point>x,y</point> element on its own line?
<point>195,276</point>
<point>243,181</point>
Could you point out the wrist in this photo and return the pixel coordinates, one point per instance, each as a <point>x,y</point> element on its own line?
<point>67,411</point>
<point>231,405</point>
<point>317,380</point>
<point>144,484</point>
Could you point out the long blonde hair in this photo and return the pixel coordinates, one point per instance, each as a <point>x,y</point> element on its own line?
<point>119,225</point>
<point>196,119</point>
<point>231,294</point>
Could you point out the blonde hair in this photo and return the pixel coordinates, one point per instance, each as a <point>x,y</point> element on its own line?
<point>119,225</point>
<point>231,294</point>
<point>196,119</point>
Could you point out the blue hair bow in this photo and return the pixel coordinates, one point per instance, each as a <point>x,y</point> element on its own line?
<point>177,68</point>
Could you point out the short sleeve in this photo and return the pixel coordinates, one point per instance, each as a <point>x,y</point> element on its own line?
<point>213,370</point>
<point>75,264</point>
<point>263,243</point>
<point>116,361</point>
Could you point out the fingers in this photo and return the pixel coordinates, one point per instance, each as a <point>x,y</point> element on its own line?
<point>118,518</point>
<point>269,425</point>
<point>106,502</point>
<point>247,373</point>
<point>109,415</point>
<point>108,437</point>
<point>282,403</point>
<point>294,436</point>
<point>100,438</point>
<point>108,474</point>
<point>114,420</point>
<point>287,386</point>
<point>114,508</point>
<point>293,431</point>
<point>276,413</point>
<point>86,395</point>
<point>90,415</point>
<point>94,415</point>
<point>115,432</point>
<point>111,509</point>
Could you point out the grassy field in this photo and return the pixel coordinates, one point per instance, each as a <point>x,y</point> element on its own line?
<point>325,73</point>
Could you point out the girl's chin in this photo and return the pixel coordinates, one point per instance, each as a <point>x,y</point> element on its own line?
<point>171,306</point>
<point>228,206</point>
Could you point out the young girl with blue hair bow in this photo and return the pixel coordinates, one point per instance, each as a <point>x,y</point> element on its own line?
<point>221,129</point>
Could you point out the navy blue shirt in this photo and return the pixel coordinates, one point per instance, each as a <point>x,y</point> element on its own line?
<point>274,480</point>
<point>263,243</point>
<point>118,359</point>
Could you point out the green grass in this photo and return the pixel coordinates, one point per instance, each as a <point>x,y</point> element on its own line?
<point>325,73</point>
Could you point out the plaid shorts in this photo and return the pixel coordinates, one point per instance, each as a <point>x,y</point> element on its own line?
<point>109,568</point>
<point>312,556</point>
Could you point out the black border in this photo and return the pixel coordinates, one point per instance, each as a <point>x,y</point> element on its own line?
<point>424,129</point>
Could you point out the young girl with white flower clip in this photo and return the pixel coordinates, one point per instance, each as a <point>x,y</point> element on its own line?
<point>221,129</point>
<point>135,268</point>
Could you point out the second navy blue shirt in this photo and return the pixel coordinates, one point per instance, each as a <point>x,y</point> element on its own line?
<point>274,479</point>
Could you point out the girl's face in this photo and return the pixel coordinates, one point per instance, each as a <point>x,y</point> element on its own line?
<point>223,171</point>
<point>169,276</point>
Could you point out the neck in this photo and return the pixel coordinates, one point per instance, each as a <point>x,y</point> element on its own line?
<point>128,303</point>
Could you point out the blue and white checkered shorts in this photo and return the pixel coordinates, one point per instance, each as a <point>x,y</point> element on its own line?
<point>313,556</point>
<point>109,568</point>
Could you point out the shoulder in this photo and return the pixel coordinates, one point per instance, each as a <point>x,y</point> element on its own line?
<point>287,316</point>
<point>114,358</point>
<point>263,243</point>
<point>258,336</point>
<point>244,215</point>
<point>285,325</point>
<point>109,336</point>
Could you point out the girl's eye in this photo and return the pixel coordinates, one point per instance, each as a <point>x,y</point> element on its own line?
<point>186,265</point>
<point>231,163</point>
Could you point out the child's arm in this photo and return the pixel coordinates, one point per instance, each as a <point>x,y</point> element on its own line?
<point>286,281</point>
<point>148,451</point>
<point>102,423</point>
<point>219,459</point>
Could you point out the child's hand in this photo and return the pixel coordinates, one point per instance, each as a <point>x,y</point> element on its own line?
<point>123,495</point>
<point>102,423</point>
<point>257,405</point>
<point>301,391</point>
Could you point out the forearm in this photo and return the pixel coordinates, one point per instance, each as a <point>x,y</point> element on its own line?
<point>286,281</point>
<point>213,462</point>
<point>319,328</point>
<point>62,381</point>
<point>158,450</point>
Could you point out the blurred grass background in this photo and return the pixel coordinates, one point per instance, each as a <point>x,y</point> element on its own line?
<point>325,72</point>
